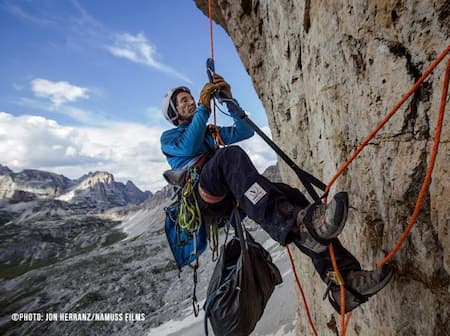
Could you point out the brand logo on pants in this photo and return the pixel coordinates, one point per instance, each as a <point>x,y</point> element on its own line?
<point>255,193</point>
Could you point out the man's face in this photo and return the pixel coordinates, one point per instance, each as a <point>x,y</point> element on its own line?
<point>185,106</point>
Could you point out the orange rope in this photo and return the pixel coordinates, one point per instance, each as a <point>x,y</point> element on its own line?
<point>216,134</point>
<point>389,115</point>
<point>211,44</point>
<point>424,188</point>
<point>348,315</point>
<point>211,36</point>
<point>429,171</point>
<point>341,286</point>
<point>297,280</point>
<point>345,318</point>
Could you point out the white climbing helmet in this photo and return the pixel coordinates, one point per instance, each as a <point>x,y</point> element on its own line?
<point>169,110</point>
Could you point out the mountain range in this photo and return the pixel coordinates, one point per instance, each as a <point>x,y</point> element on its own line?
<point>94,190</point>
<point>63,251</point>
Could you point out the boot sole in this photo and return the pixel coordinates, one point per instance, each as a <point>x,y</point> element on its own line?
<point>350,303</point>
<point>389,274</point>
<point>341,199</point>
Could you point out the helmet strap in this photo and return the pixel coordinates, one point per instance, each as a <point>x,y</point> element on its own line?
<point>173,107</point>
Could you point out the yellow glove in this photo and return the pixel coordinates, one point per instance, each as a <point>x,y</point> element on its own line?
<point>209,89</point>
<point>206,94</point>
<point>223,85</point>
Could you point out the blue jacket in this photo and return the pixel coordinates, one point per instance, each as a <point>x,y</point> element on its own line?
<point>184,143</point>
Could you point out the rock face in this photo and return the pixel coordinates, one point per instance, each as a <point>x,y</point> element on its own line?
<point>40,183</point>
<point>327,72</point>
<point>97,189</point>
<point>100,188</point>
<point>4,170</point>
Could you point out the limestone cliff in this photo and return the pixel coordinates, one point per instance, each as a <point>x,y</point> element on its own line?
<point>327,72</point>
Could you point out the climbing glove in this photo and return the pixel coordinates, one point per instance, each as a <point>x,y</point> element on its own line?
<point>210,89</point>
<point>224,86</point>
<point>206,94</point>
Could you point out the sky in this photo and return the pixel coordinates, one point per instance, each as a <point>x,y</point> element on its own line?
<point>82,81</point>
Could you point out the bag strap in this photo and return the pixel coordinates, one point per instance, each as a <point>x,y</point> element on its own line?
<point>240,230</point>
<point>236,217</point>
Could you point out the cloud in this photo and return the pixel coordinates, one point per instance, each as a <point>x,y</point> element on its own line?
<point>137,49</point>
<point>84,29</point>
<point>33,141</point>
<point>260,153</point>
<point>58,92</point>
<point>24,15</point>
<point>127,150</point>
<point>75,113</point>
<point>60,98</point>
<point>154,116</point>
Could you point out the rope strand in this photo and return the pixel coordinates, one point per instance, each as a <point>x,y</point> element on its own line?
<point>299,286</point>
<point>427,180</point>
<point>211,34</point>
<point>211,46</point>
<point>346,317</point>
<point>424,188</point>
<point>341,286</point>
<point>388,116</point>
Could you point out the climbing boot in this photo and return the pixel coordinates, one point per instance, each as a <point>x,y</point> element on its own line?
<point>360,286</point>
<point>319,223</point>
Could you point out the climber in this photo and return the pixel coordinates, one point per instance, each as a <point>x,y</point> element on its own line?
<point>227,176</point>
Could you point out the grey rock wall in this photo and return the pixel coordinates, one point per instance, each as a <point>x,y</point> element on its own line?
<point>327,72</point>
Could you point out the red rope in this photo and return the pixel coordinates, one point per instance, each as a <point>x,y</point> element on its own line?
<point>211,35</point>
<point>388,116</point>
<point>427,180</point>
<point>211,45</point>
<point>299,286</point>
<point>345,318</point>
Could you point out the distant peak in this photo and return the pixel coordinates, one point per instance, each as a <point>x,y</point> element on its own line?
<point>4,170</point>
<point>130,184</point>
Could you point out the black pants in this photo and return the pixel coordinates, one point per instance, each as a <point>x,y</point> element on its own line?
<point>272,205</point>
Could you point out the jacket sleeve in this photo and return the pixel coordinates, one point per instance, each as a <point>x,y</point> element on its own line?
<point>187,141</point>
<point>238,132</point>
